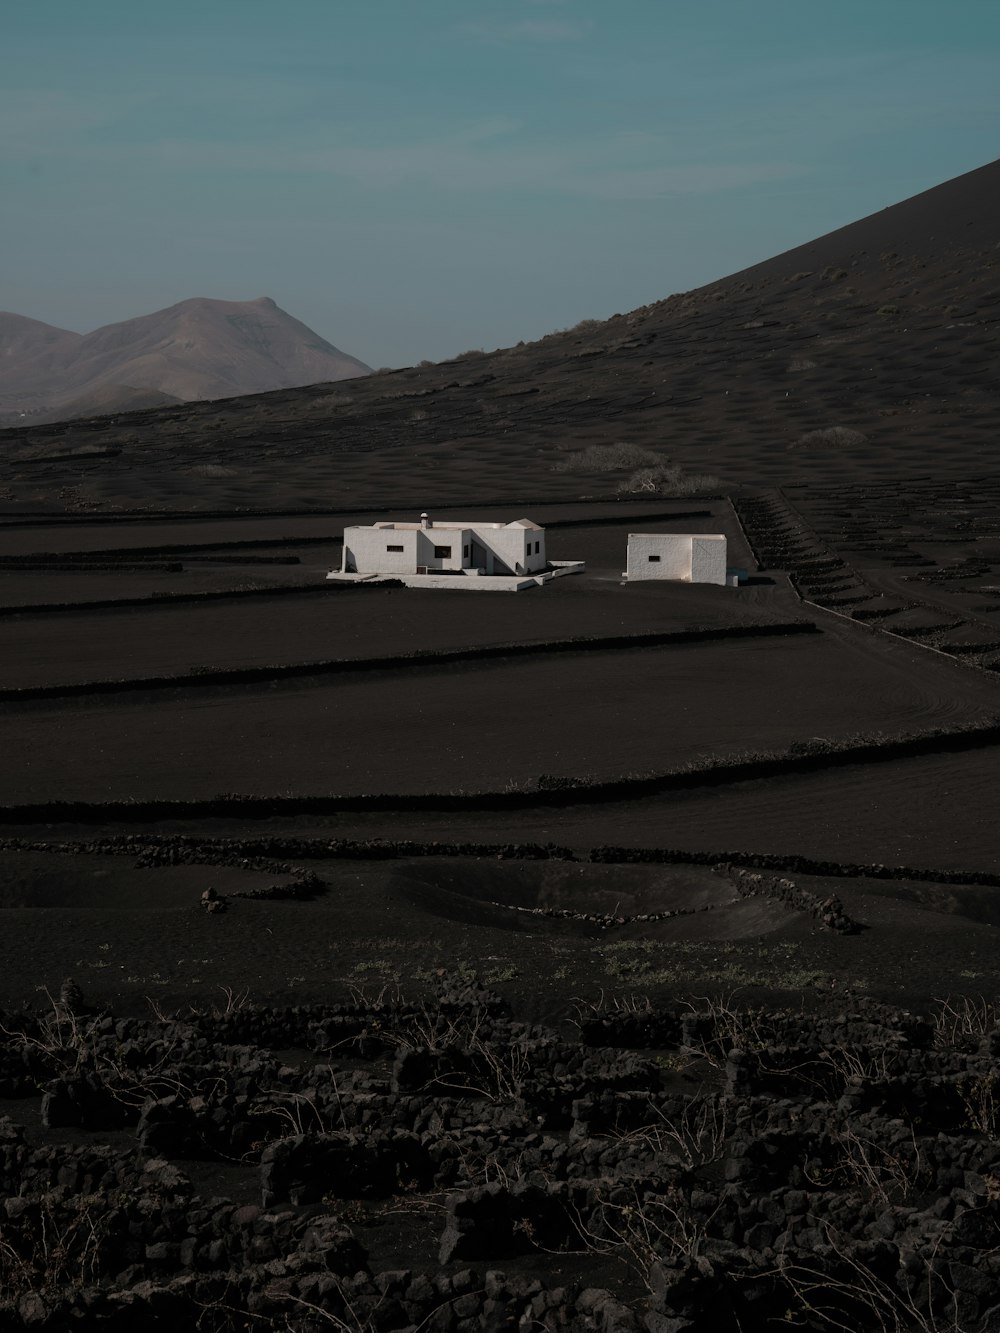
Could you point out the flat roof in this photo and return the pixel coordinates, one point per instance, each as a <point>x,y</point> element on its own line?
<point>448,525</point>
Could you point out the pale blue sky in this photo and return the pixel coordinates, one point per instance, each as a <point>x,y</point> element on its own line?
<point>416,177</point>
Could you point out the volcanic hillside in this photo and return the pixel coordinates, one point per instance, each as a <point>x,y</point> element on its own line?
<point>619,956</point>
<point>885,329</point>
<point>194,350</point>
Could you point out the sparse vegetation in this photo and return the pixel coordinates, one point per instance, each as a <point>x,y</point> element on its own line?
<point>610,458</point>
<point>669,481</point>
<point>651,473</point>
<point>838,437</point>
<point>213,471</point>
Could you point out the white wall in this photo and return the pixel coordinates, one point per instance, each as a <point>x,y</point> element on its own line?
<point>366,549</point>
<point>708,559</point>
<point>682,557</point>
<point>450,539</point>
<point>657,555</point>
<point>535,561</point>
<point>510,546</point>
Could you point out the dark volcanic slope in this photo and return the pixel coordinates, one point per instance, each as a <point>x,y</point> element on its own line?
<point>887,327</point>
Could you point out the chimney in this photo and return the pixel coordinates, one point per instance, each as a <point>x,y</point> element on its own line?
<point>425,522</point>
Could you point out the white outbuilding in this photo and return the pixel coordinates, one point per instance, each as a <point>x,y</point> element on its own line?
<point>684,557</point>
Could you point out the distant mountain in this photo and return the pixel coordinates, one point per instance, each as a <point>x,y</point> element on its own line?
<point>197,349</point>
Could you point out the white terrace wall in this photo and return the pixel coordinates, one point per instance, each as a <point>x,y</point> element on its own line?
<point>683,557</point>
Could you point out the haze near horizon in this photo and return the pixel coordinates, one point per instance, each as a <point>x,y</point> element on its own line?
<point>413,181</point>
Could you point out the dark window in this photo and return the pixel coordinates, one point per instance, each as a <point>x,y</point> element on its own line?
<point>394,548</point>
<point>538,547</point>
<point>442,552</point>
<point>465,550</point>
<point>654,559</point>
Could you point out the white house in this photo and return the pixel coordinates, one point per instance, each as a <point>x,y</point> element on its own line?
<point>499,557</point>
<point>431,546</point>
<point>686,557</point>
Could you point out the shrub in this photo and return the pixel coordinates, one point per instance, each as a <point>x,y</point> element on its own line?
<point>213,470</point>
<point>842,436</point>
<point>331,400</point>
<point>668,481</point>
<point>610,458</point>
<point>650,480</point>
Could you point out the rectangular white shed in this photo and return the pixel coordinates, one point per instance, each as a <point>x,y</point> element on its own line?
<point>684,557</point>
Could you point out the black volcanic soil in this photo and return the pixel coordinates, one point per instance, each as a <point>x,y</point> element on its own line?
<point>549,976</point>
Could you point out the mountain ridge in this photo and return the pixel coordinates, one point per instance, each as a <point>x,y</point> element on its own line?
<point>200,348</point>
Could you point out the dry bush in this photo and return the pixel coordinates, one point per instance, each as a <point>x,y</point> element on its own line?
<point>212,470</point>
<point>647,1227</point>
<point>696,1137</point>
<point>841,1291</point>
<point>839,436</point>
<point>801,363</point>
<point>650,481</point>
<point>56,1250</point>
<point>69,1041</point>
<point>668,481</point>
<point>732,1028</point>
<point>610,458</point>
<point>869,1169</point>
<point>962,1024</point>
<point>981,1099</point>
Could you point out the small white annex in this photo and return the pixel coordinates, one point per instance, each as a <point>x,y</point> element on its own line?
<point>496,556</point>
<point>684,557</point>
